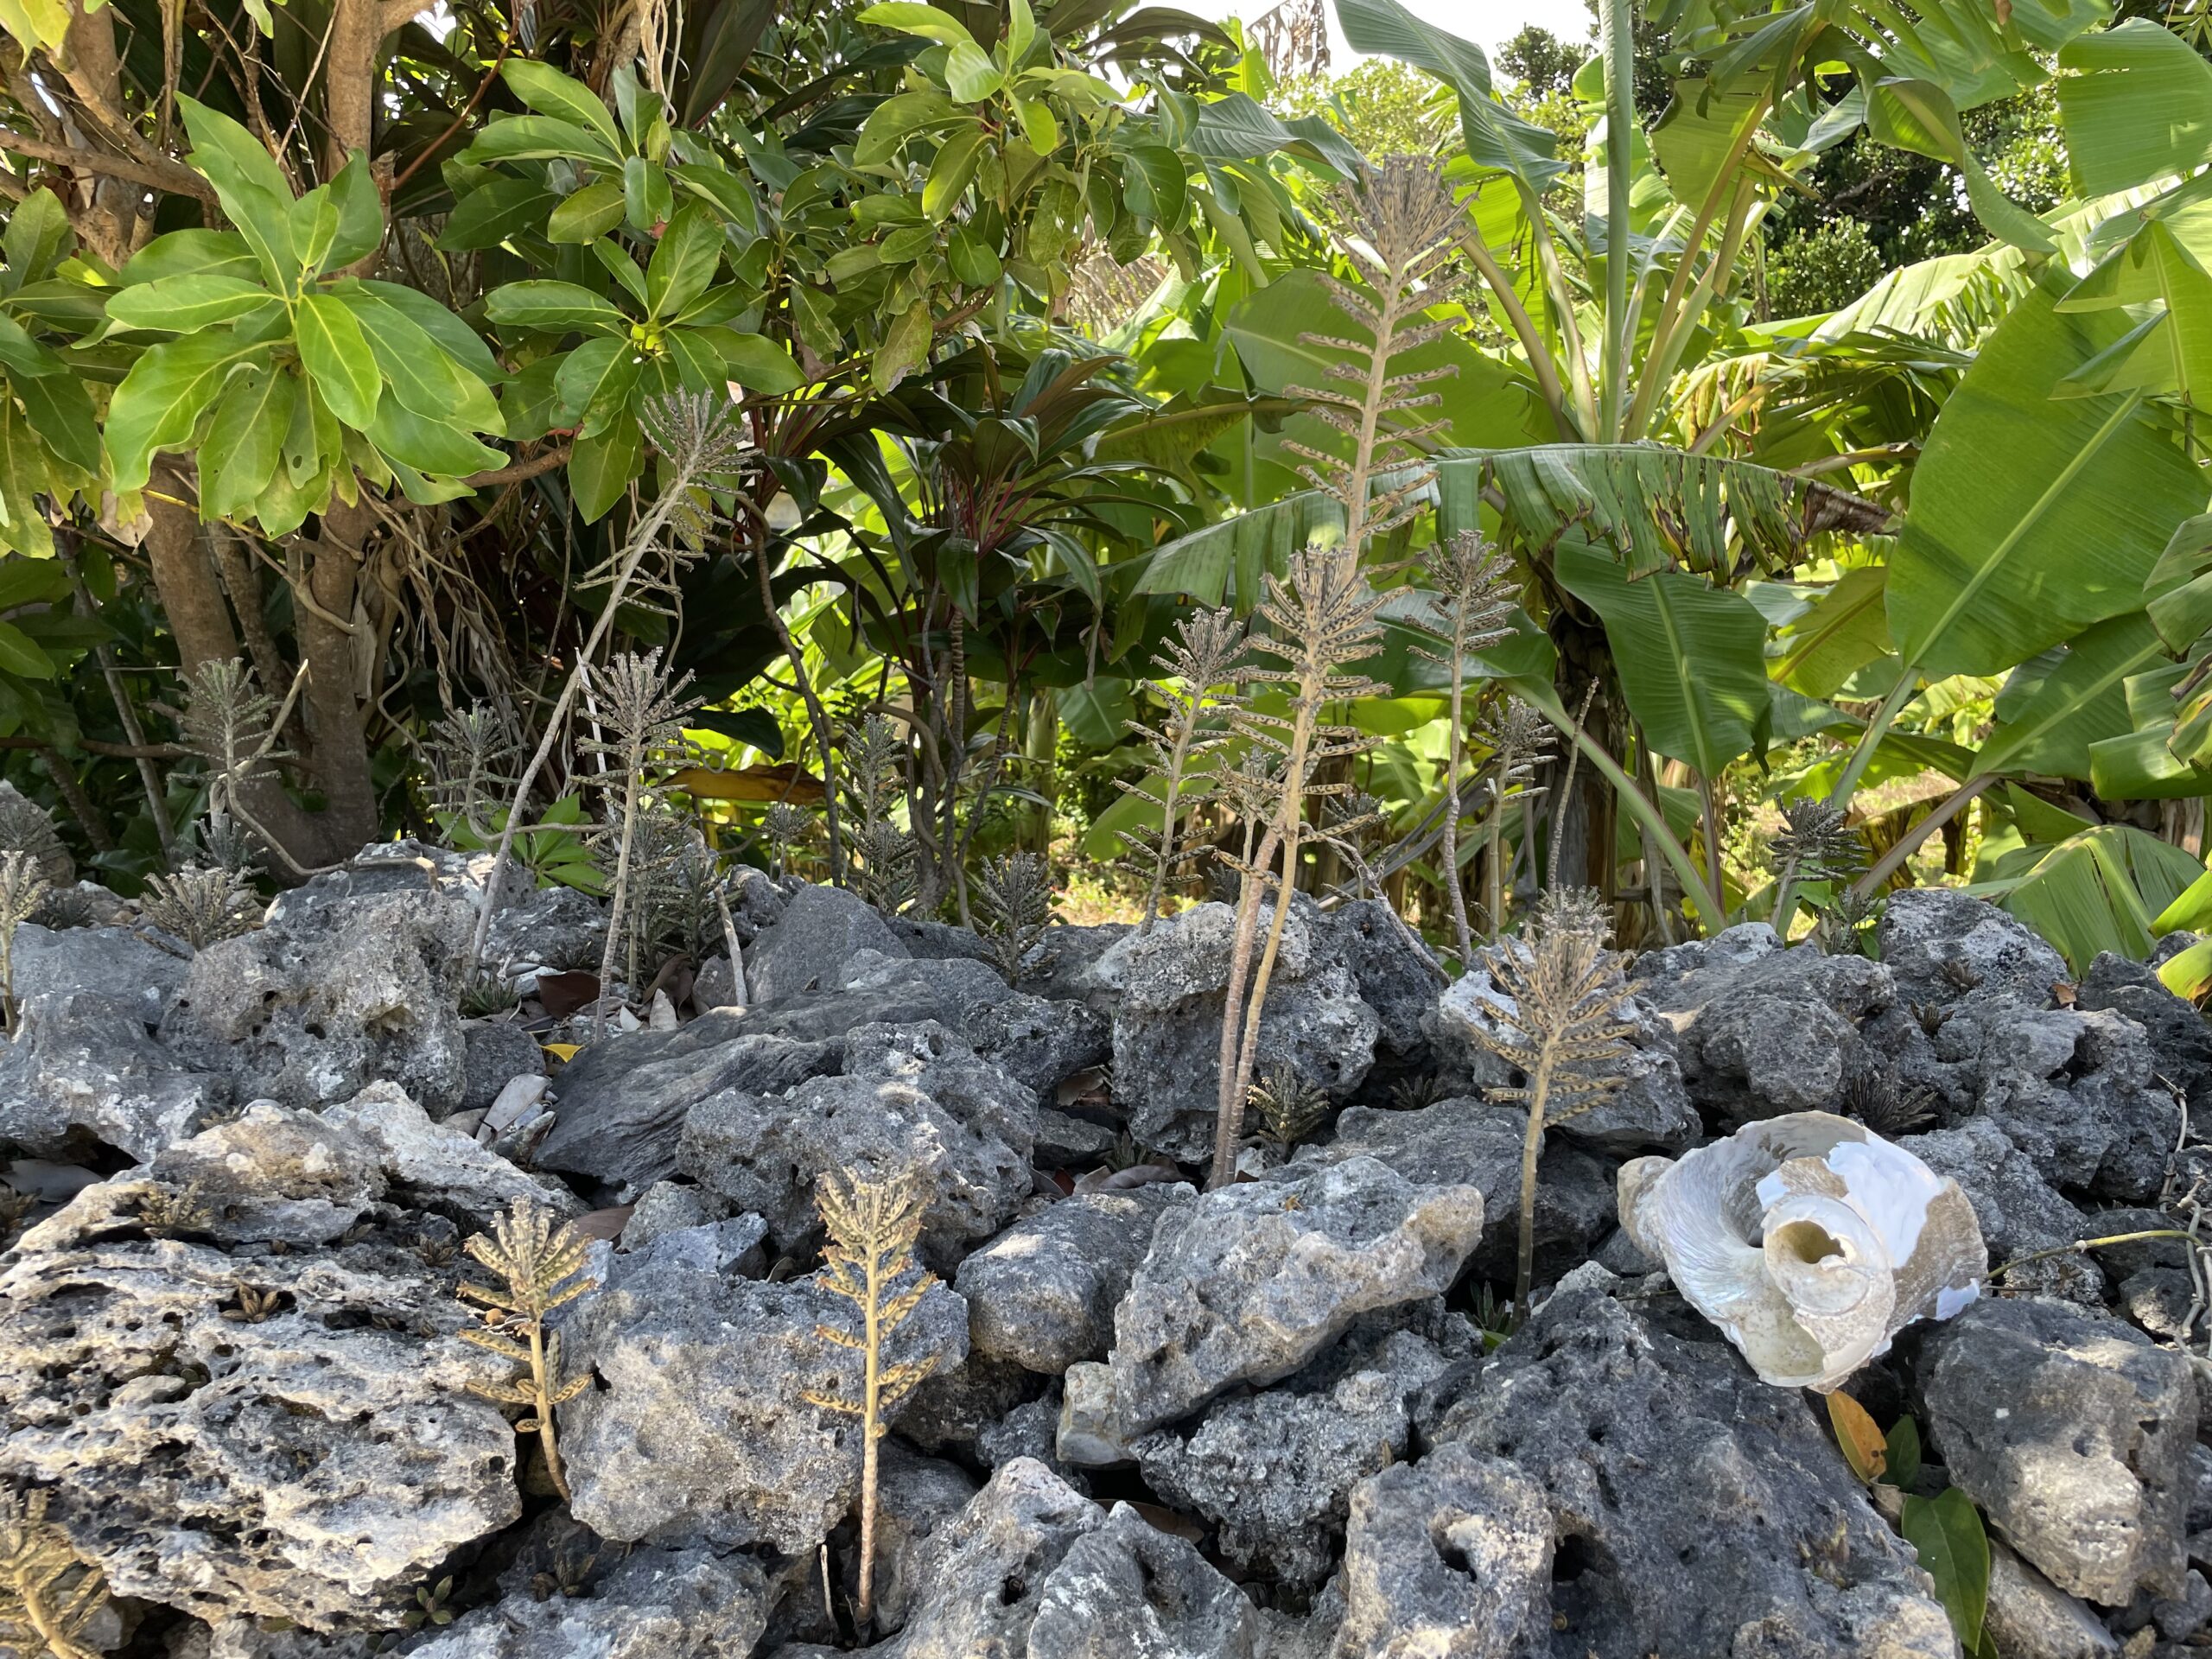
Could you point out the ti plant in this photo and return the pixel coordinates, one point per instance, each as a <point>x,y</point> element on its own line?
<point>21,889</point>
<point>540,1259</point>
<point>1555,1016</point>
<point>1288,1107</point>
<point>47,1596</point>
<point>199,906</point>
<point>1323,617</point>
<point>1814,844</point>
<point>1475,599</point>
<point>1207,653</point>
<point>873,1226</point>
<point>1016,895</point>
<point>640,715</point>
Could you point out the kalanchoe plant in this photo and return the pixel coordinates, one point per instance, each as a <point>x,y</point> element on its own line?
<point>48,1598</point>
<point>200,906</point>
<point>1205,655</point>
<point>1816,844</point>
<point>1015,896</point>
<point>539,1260</point>
<point>22,887</point>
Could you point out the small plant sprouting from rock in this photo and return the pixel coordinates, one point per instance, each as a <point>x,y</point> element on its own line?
<point>1814,844</point>
<point>253,1307</point>
<point>171,1212</point>
<point>873,1226</point>
<point>1208,652</point>
<point>200,906</point>
<point>15,1211</point>
<point>641,713</point>
<point>1476,598</point>
<point>540,1261</point>
<point>1015,895</point>
<point>1288,1107</point>
<point>47,1596</point>
<point>21,889</point>
<point>1885,1103</point>
<point>785,827</point>
<point>1411,1094</point>
<point>429,1606</point>
<point>232,725</point>
<point>1556,1018</point>
<point>1843,923</point>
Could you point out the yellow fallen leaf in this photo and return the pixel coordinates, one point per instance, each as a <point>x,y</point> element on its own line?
<point>1863,1448</point>
<point>561,1051</point>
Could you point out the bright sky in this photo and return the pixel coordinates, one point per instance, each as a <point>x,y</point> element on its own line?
<point>1488,23</point>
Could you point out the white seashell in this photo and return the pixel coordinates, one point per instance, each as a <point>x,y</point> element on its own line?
<point>1808,1239</point>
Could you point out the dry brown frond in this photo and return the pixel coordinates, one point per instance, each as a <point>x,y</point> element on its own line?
<point>47,1596</point>
<point>869,1262</point>
<point>540,1260</point>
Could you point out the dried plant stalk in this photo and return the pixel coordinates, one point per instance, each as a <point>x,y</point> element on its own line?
<point>1555,1019</point>
<point>1476,597</point>
<point>47,1596</point>
<point>1520,740</point>
<point>873,1226</point>
<point>541,1260</point>
<point>1208,652</point>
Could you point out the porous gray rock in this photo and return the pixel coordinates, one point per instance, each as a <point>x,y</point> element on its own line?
<point>654,1603</point>
<point>700,1425</point>
<point>1127,1591</point>
<point>1089,1433</point>
<point>2068,1430</point>
<point>81,1076</point>
<point>982,1573</point>
<point>1395,976</point>
<point>1167,1021</point>
<point>2018,1212</point>
<point>1042,1293</point>
<point>1651,1109</point>
<point>496,1052</point>
<point>1251,1281</point>
<point>955,1406</point>
<point>1694,1510</point>
<point>2079,1093</point>
<point>619,1106</point>
<point>313,1464</point>
<point>1274,1470</point>
<point>332,994</point>
<point>820,929</point>
<point>1463,1142</point>
<point>2030,1617</point>
<point>2177,1031</point>
<point>1941,946</point>
<point>912,1098</point>
<point>917,1495</point>
<point>1061,966</point>
<point>112,962</point>
<point>1763,1030</point>
<point>1450,1558</point>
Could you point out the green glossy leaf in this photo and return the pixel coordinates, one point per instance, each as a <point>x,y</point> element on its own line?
<point>245,441</point>
<point>23,358</point>
<point>460,342</point>
<point>60,412</point>
<point>554,308</point>
<point>540,138</point>
<point>587,214</point>
<point>898,118</point>
<point>505,208</point>
<point>1494,137</point>
<point>360,213</point>
<point>595,383</point>
<point>548,91</point>
<point>313,226</point>
<point>1919,116</point>
<point>600,468</point>
<point>183,253</point>
<point>969,74</point>
<point>185,305</point>
<point>255,195</point>
<point>1157,187</point>
<point>37,237</point>
<point>910,17</point>
<point>162,399</point>
<point>756,362</point>
<point>2080,702</point>
<point>647,199</point>
<point>685,262</point>
<point>2102,891</point>
<point>418,372</point>
<point>1901,1450</point>
<point>18,655</point>
<point>427,446</point>
<point>1947,1535</point>
<point>336,354</point>
<point>951,173</point>
<point>1097,712</point>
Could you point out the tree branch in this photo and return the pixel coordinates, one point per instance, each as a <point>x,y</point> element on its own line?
<point>176,178</point>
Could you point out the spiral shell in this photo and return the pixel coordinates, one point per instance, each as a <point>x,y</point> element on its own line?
<point>1808,1240</point>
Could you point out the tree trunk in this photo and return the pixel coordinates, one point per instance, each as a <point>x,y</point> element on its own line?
<point>341,749</point>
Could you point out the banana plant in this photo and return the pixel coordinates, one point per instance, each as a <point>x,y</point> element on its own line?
<point>292,381</point>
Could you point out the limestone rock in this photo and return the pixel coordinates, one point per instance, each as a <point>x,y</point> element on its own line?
<point>332,994</point>
<point>81,1076</point>
<point>1449,1558</point>
<point>1251,1281</point>
<point>110,961</point>
<point>655,1603</point>
<point>911,1098</point>
<point>1941,946</point>
<point>821,928</point>
<point>2069,1432</point>
<point>1127,1591</point>
<point>700,1425</point>
<point>1043,1293</point>
<point>1694,1510</point>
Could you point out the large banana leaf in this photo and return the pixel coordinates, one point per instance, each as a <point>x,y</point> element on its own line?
<point>2139,106</point>
<point>1843,631</point>
<point>2049,714</point>
<point>2103,890</point>
<point>1690,655</point>
<point>1496,136</point>
<point>1655,508</point>
<point>2032,517</point>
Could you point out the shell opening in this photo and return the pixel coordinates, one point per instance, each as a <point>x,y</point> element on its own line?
<point>1806,1242</point>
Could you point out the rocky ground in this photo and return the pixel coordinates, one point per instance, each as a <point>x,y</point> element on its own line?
<point>1278,1422</point>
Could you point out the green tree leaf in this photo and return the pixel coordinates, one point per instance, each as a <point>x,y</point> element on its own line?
<point>19,655</point>
<point>162,399</point>
<point>548,91</point>
<point>1948,1536</point>
<point>586,215</point>
<point>490,213</point>
<point>419,374</point>
<point>335,353</point>
<point>685,262</point>
<point>185,305</point>
<point>600,468</point>
<point>554,308</point>
<point>245,441</point>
